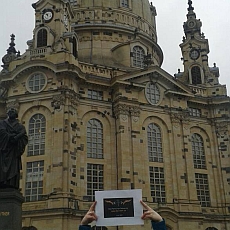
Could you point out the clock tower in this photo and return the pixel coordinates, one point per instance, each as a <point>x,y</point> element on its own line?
<point>195,50</point>
<point>53,26</point>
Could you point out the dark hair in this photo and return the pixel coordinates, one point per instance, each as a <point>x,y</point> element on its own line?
<point>15,110</point>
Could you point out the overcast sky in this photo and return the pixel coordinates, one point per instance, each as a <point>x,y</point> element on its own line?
<point>17,16</point>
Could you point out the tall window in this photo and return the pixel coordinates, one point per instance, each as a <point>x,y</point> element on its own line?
<point>37,129</point>
<point>154,143</point>
<point>157,184</point>
<point>74,47</point>
<point>125,3</point>
<point>138,56</point>
<point>42,38</point>
<point>94,139</point>
<point>196,75</point>
<point>95,179</point>
<point>198,152</point>
<point>34,181</point>
<point>202,189</point>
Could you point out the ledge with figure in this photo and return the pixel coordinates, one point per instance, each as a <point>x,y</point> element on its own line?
<point>13,140</point>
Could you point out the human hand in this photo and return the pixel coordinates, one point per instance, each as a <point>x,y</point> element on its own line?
<point>90,216</point>
<point>150,213</point>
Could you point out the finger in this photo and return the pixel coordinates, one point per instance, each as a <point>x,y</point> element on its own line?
<point>146,215</point>
<point>90,212</point>
<point>93,217</point>
<point>145,205</point>
<point>92,208</point>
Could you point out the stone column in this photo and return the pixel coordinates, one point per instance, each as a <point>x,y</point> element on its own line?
<point>10,209</point>
<point>123,146</point>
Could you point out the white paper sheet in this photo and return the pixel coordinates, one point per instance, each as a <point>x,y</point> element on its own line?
<point>119,207</point>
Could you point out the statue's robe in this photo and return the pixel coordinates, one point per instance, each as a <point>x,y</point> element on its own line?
<point>11,151</point>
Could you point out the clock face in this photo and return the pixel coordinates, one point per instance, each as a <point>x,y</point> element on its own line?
<point>194,54</point>
<point>48,15</point>
<point>191,24</point>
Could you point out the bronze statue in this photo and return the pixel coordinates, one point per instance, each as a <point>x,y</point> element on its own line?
<point>13,140</point>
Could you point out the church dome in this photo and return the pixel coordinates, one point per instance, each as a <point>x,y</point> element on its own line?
<point>106,29</point>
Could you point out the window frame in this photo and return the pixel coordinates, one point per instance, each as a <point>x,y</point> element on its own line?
<point>95,94</point>
<point>125,3</point>
<point>94,139</point>
<point>42,38</point>
<point>36,137</point>
<point>157,184</point>
<point>153,94</point>
<point>138,56</point>
<point>202,189</point>
<point>198,151</point>
<point>195,112</point>
<point>34,193</point>
<point>95,179</point>
<point>154,143</point>
<point>38,84</point>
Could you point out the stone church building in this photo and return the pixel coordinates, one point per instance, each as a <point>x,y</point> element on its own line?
<point>101,114</point>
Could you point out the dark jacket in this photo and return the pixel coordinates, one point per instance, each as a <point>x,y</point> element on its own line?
<point>156,226</point>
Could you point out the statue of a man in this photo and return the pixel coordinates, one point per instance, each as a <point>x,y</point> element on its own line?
<point>13,140</point>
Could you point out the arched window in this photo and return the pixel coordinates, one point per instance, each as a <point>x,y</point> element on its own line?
<point>211,228</point>
<point>74,47</point>
<point>94,139</point>
<point>138,56</point>
<point>42,38</point>
<point>196,75</point>
<point>37,129</point>
<point>198,152</point>
<point>154,143</point>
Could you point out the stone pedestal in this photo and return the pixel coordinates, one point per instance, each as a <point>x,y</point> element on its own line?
<point>10,209</point>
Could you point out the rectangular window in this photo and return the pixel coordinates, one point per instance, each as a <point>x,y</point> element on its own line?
<point>108,33</point>
<point>194,112</point>
<point>157,184</point>
<point>95,95</point>
<point>125,3</point>
<point>95,179</point>
<point>34,181</point>
<point>202,189</point>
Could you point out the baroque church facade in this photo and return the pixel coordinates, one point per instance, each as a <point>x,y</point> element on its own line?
<point>101,114</point>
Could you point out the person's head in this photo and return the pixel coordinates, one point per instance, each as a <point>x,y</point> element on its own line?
<point>12,113</point>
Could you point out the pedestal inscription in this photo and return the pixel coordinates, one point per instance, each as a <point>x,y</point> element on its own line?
<point>10,209</point>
